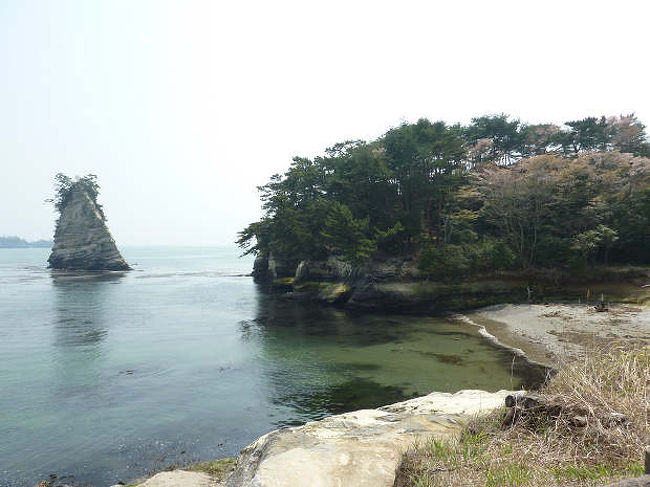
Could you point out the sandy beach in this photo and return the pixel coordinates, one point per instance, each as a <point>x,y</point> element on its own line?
<point>552,333</point>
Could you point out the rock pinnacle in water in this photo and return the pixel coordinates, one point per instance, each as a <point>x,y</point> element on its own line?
<point>82,240</point>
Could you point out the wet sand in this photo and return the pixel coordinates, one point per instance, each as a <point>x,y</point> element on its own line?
<point>552,333</point>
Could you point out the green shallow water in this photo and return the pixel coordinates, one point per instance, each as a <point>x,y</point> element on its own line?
<point>322,360</point>
<point>108,378</point>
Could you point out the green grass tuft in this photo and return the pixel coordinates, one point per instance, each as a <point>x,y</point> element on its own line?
<point>217,469</point>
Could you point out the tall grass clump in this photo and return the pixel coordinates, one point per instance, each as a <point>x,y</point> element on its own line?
<point>593,433</point>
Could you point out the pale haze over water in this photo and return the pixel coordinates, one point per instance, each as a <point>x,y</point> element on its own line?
<point>183,107</point>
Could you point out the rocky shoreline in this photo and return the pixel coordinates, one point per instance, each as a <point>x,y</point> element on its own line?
<point>546,315</point>
<point>361,448</point>
<point>364,448</point>
<point>397,285</point>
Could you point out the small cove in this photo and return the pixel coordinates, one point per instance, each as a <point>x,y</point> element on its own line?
<point>106,378</point>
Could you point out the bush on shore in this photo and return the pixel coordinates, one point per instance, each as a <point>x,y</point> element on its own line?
<point>577,447</point>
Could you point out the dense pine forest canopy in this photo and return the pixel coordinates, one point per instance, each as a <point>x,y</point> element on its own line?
<point>493,195</point>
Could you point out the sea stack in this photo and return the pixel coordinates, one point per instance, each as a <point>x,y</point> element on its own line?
<point>82,241</point>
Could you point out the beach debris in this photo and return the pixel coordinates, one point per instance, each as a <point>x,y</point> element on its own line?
<point>602,305</point>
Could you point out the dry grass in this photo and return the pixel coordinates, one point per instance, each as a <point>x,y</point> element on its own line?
<point>581,445</point>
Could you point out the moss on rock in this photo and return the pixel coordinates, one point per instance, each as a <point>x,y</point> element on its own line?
<point>218,469</point>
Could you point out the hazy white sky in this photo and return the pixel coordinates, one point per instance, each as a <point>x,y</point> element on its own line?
<point>183,107</point>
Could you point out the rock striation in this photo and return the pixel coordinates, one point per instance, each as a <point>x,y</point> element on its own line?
<point>82,240</point>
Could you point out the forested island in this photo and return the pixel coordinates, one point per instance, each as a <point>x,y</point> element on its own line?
<point>15,242</point>
<point>452,203</point>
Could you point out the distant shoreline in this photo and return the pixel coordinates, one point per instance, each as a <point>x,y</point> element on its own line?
<point>13,242</point>
<point>25,247</point>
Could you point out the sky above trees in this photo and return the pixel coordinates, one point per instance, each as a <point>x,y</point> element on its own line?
<point>485,197</point>
<point>182,108</point>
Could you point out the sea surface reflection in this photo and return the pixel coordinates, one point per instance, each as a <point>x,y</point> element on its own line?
<point>108,377</point>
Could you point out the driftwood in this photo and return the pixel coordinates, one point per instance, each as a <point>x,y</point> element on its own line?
<point>602,306</point>
<point>535,407</point>
<point>529,407</point>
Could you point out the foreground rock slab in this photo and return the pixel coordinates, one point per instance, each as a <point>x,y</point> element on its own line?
<point>357,449</point>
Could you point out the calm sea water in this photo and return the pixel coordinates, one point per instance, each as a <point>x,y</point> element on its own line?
<point>105,378</point>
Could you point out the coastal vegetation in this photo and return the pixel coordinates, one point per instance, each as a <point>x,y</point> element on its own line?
<point>64,186</point>
<point>217,469</point>
<point>596,434</point>
<point>487,197</point>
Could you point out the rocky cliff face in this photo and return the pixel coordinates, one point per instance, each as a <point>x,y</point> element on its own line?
<point>332,269</point>
<point>82,240</point>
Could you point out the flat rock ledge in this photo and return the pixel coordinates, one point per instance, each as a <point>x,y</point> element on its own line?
<point>180,478</point>
<point>357,449</point>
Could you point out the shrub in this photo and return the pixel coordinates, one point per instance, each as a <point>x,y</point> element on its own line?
<point>444,262</point>
<point>551,451</point>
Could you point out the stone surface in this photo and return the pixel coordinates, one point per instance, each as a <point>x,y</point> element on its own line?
<point>179,478</point>
<point>82,240</point>
<point>281,267</point>
<point>394,269</point>
<point>332,269</point>
<point>261,271</point>
<point>430,296</point>
<point>357,449</point>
